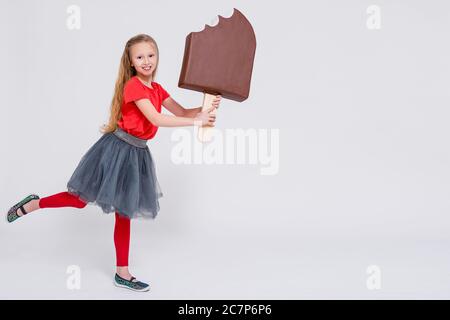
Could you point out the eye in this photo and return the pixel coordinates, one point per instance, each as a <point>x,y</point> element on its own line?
<point>139,57</point>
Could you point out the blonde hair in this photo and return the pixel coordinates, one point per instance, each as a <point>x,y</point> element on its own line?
<point>126,71</point>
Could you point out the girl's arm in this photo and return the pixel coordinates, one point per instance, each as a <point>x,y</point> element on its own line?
<point>178,110</point>
<point>162,120</point>
<point>191,113</point>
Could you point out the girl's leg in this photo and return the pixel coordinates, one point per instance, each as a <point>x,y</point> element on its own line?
<point>62,199</point>
<point>122,244</point>
<point>121,228</point>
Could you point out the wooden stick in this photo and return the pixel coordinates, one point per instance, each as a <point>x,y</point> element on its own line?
<point>205,132</point>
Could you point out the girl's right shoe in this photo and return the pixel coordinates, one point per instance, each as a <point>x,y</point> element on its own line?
<point>130,284</point>
<point>12,212</point>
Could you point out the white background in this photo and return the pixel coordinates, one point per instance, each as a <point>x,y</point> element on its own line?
<point>364,176</point>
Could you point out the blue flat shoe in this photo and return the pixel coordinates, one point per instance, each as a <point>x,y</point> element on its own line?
<point>12,212</point>
<point>131,284</point>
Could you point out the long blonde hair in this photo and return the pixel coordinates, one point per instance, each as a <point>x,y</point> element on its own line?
<point>126,71</point>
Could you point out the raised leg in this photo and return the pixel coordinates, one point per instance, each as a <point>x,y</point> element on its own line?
<point>62,199</point>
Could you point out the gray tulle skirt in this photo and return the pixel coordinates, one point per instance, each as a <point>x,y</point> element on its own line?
<point>118,174</point>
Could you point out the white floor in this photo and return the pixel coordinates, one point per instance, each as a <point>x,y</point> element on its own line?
<point>223,265</point>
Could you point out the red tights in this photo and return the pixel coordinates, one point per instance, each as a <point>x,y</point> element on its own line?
<point>121,228</point>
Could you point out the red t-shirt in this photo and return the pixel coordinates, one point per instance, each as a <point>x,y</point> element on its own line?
<point>133,120</point>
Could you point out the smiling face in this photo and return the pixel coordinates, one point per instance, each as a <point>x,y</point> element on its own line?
<point>143,57</point>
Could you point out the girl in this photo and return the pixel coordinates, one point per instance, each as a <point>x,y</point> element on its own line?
<point>118,172</point>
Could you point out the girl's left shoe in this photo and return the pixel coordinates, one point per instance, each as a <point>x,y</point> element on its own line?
<point>12,212</point>
<point>131,284</point>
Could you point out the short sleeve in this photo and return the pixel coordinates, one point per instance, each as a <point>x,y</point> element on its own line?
<point>164,94</point>
<point>133,91</point>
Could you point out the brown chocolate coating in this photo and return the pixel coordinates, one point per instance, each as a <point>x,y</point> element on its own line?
<point>219,59</point>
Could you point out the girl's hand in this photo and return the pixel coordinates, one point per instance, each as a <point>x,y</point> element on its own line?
<point>206,118</point>
<point>216,101</point>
